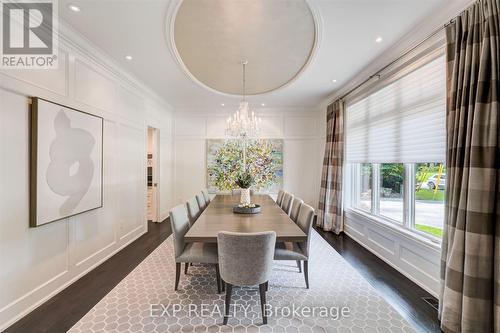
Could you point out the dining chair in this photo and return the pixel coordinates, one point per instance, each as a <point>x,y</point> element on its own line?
<point>298,251</point>
<point>201,202</point>
<point>196,252</point>
<point>294,212</point>
<point>286,204</point>
<point>206,196</point>
<point>193,210</point>
<point>279,198</point>
<point>246,259</point>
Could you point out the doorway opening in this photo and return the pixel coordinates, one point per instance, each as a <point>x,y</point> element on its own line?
<point>153,175</point>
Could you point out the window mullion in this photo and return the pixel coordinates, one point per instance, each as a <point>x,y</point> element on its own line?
<point>376,188</point>
<point>409,196</point>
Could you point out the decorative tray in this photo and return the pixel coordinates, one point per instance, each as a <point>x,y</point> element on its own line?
<point>239,209</point>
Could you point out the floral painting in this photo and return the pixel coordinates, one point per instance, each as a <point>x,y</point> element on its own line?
<point>264,159</point>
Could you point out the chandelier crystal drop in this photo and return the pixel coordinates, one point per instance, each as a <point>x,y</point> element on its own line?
<point>243,123</point>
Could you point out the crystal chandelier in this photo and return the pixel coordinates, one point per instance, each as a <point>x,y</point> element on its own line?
<point>243,124</point>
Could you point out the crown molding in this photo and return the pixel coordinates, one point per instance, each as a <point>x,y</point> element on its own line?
<point>71,40</point>
<point>403,45</point>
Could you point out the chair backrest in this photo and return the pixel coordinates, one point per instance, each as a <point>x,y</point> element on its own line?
<point>294,212</point>
<point>180,225</point>
<point>201,201</point>
<point>286,204</point>
<point>193,210</point>
<point>206,195</point>
<point>246,259</point>
<point>279,198</point>
<point>305,221</point>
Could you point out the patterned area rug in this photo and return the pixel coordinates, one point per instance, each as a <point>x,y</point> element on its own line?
<point>339,300</point>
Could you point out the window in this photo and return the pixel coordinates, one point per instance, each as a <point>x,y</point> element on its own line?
<point>365,190</point>
<point>430,180</point>
<point>395,144</point>
<point>391,190</point>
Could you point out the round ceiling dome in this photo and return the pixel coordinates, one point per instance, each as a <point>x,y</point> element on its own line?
<point>212,37</point>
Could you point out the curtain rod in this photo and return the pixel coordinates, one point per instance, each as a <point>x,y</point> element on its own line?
<point>377,73</point>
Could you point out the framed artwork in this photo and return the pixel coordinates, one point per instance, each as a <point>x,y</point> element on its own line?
<point>66,162</point>
<point>264,159</point>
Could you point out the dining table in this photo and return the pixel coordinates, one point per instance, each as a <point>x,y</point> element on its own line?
<point>218,216</point>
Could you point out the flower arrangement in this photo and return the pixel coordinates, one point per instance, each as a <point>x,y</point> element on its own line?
<point>244,180</point>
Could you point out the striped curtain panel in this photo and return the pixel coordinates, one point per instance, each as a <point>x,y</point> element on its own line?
<point>470,263</point>
<point>330,215</point>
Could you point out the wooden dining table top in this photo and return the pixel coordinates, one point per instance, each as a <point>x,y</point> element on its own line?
<point>219,216</point>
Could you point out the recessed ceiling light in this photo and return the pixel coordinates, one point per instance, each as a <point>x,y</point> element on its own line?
<point>128,57</point>
<point>334,81</point>
<point>74,8</point>
<point>263,104</point>
<point>379,39</point>
<point>222,104</point>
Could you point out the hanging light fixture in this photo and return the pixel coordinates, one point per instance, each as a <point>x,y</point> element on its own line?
<point>243,124</point>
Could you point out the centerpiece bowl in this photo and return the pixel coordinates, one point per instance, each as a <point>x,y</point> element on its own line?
<point>247,209</point>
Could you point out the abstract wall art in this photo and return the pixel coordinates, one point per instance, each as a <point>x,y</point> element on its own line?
<point>264,159</point>
<point>66,162</point>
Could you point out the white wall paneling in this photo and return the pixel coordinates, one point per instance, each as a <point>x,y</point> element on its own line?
<point>416,258</point>
<point>302,151</point>
<point>39,262</point>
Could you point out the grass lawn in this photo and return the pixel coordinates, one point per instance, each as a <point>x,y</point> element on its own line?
<point>438,232</point>
<point>425,194</point>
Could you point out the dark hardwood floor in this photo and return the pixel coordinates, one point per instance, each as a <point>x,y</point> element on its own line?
<point>403,294</point>
<point>62,311</point>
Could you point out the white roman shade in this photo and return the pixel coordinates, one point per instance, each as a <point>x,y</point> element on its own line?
<point>402,122</point>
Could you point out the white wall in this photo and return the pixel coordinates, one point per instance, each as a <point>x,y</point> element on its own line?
<point>302,151</point>
<point>38,262</point>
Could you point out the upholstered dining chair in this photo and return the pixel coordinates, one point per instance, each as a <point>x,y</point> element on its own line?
<point>206,196</point>
<point>298,251</point>
<point>286,204</point>
<point>203,253</point>
<point>279,198</point>
<point>246,259</point>
<point>193,210</point>
<point>201,202</point>
<point>294,212</point>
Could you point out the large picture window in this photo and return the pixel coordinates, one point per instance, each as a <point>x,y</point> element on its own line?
<point>395,147</point>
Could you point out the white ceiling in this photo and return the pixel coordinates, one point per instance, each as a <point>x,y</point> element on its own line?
<point>346,44</point>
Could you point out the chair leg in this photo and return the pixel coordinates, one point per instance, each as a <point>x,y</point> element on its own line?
<point>222,285</point>
<point>299,266</point>
<point>177,274</point>
<point>262,289</point>
<point>267,285</point>
<point>306,273</point>
<point>217,276</point>
<point>186,265</point>
<point>229,289</point>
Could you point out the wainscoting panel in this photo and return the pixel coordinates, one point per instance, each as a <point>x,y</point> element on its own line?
<point>416,258</point>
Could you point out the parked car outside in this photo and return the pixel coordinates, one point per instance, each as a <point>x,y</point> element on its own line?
<point>432,182</point>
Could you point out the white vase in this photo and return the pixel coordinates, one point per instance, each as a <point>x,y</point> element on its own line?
<point>245,196</point>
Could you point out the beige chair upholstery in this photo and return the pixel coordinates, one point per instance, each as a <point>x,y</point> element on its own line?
<point>246,259</point>
<point>205,253</point>
<point>294,212</point>
<point>298,251</point>
<point>286,204</point>
<point>206,196</point>
<point>193,210</point>
<point>279,198</point>
<point>201,202</point>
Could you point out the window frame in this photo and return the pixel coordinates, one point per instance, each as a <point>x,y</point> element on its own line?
<point>408,222</point>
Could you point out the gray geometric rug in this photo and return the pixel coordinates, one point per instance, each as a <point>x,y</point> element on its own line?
<point>339,300</point>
